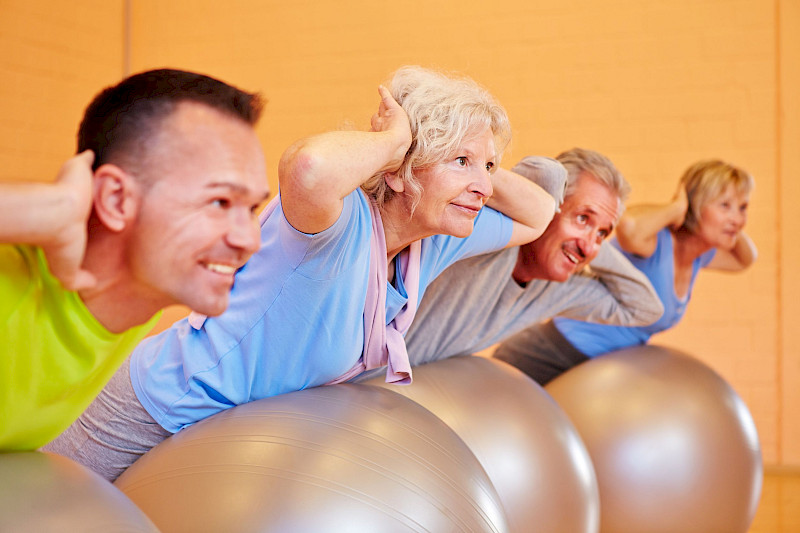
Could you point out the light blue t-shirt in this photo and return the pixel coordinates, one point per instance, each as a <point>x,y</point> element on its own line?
<point>595,339</point>
<point>295,318</point>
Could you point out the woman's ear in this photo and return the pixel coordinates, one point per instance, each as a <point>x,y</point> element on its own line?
<point>116,197</point>
<point>394,182</point>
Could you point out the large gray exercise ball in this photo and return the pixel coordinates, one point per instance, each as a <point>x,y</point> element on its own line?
<point>527,445</point>
<point>674,447</point>
<point>47,493</point>
<point>345,458</point>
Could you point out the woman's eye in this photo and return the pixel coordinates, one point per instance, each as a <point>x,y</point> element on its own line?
<point>222,203</point>
<point>489,166</point>
<point>461,161</point>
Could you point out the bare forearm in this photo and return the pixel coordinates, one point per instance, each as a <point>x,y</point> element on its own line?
<point>527,204</point>
<point>638,229</point>
<point>334,164</point>
<point>745,250</point>
<point>34,213</point>
<point>741,256</point>
<point>316,173</point>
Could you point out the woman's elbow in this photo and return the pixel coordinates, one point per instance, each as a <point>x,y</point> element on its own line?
<point>300,168</point>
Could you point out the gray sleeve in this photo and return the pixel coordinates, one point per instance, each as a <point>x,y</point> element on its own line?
<point>612,291</point>
<point>547,173</point>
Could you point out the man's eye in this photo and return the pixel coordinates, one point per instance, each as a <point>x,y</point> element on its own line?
<point>489,166</point>
<point>582,219</point>
<point>222,203</point>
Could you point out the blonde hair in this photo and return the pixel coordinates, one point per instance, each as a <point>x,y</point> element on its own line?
<point>444,111</point>
<point>707,180</point>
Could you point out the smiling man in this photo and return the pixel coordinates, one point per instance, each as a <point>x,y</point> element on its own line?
<point>568,271</point>
<point>157,209</point>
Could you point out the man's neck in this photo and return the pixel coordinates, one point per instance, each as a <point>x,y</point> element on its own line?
<point>523,272</point>
<point>117,301</point>
<point>118,305</point>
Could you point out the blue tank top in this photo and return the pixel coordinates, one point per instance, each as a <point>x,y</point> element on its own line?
<point>595,339</point>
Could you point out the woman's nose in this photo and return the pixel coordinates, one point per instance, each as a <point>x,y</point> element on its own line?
<point>483,184</point>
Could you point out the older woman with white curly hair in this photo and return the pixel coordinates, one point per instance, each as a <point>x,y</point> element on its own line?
<point>364,222</point>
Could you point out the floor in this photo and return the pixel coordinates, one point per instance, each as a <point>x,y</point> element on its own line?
<point>779,510</point>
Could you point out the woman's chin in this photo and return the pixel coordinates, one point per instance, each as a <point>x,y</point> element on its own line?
<point>727,243</point>
<point>461,231</point>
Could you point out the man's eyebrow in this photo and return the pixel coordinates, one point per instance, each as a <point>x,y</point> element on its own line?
<point>589,209</point>
<point>235,187</point>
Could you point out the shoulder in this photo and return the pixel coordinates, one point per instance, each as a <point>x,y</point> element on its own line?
<point>705,259</point>
<point>19,264</point>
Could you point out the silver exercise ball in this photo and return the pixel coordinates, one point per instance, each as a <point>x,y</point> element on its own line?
<point>527,445</point>
<point>673,446</point>
<point>46,493</point>
<point>345,458</point>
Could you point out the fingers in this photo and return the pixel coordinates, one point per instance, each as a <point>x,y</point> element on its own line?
<point>77,169</point>
<point>81,280</point>
<point>86,157</point>
<point>388,103</point>
<point>387,109</point>
<point>387,100</point>
<point>83,160</point>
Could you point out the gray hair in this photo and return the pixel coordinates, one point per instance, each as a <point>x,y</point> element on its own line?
<point>444,110</point>
<point>579,160</point>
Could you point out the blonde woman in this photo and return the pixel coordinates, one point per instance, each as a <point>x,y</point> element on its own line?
<point>701,227</point>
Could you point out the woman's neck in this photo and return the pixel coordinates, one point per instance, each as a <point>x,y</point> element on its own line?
<point>399,228</point>
<point>688,246</point>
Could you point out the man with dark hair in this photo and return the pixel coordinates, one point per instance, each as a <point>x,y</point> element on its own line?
<point>159,208</point>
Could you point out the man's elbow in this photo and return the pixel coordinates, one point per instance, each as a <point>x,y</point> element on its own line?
<point>650,314</point>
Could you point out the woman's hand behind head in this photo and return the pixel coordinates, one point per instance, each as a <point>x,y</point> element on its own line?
<point>393,120</point>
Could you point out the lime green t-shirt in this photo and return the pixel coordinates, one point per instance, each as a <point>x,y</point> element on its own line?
<point>55,357</point>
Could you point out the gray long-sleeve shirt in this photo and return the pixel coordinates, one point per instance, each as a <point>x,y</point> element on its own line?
<point>475,303</point>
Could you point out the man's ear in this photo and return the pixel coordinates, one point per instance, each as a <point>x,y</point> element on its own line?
<point>117,196</point>
<point>394,182</point>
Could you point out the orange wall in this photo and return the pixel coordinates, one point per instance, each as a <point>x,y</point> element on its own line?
<point>654,85</point>
<point>788,371</point>
<point>54,56</point>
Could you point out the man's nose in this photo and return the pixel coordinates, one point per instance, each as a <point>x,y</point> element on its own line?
<point>245,233</point>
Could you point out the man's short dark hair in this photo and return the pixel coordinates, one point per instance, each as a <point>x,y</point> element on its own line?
<point>118,122</point>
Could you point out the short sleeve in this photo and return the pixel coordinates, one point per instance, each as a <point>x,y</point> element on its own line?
<point>16,274</point>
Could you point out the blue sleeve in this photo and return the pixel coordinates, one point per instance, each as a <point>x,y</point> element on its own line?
<point>327,253</point>
<point>491,232</point>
